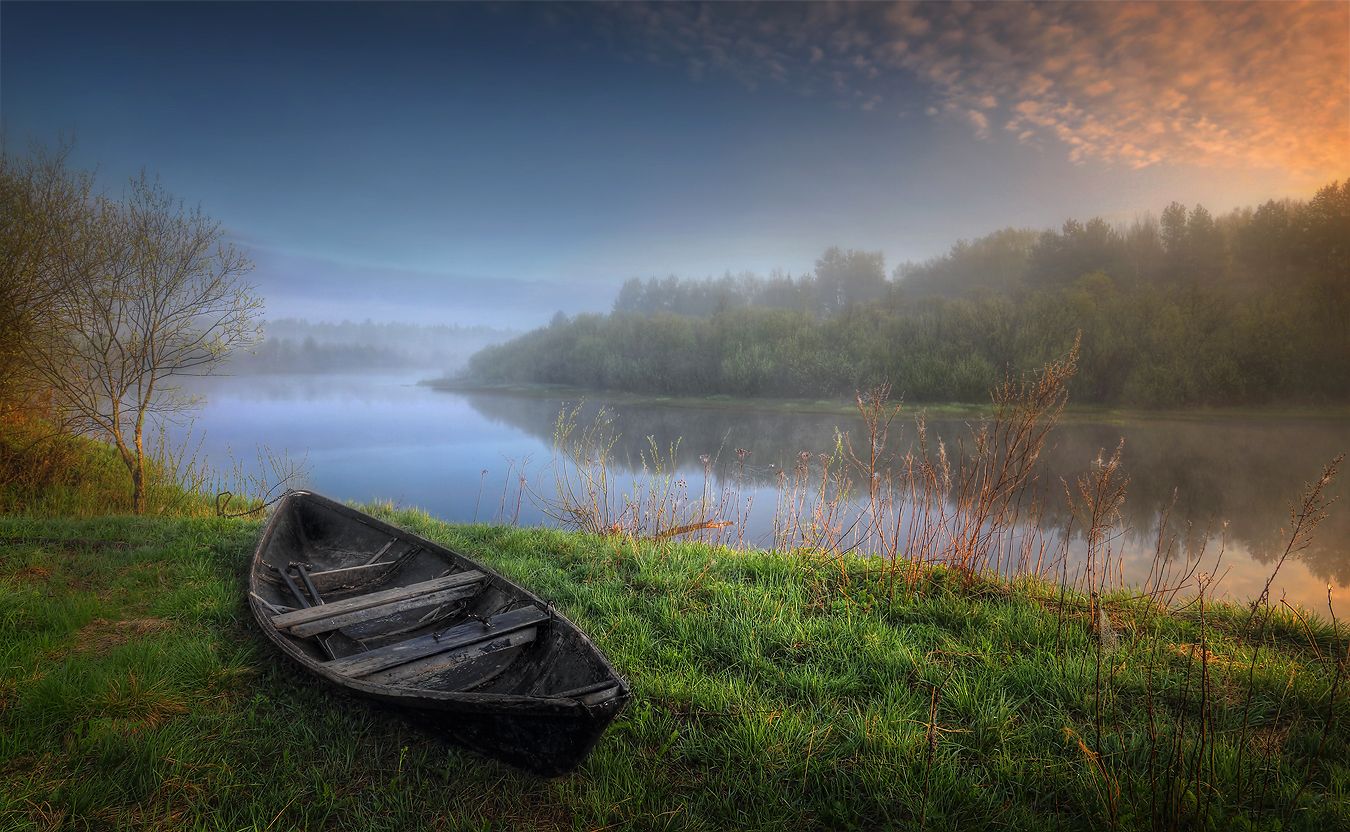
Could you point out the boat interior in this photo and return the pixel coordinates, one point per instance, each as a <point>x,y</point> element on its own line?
<point>364,601</point>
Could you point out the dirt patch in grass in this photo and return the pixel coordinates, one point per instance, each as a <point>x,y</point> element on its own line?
<point>102,634</point>
<point>32,575</point>
<point>45,816</point>
<point>1196,653</point>
<point>1270,740</point>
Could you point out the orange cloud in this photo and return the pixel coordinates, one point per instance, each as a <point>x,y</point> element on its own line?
<point>1205,84</point>
<point>1211,85</point>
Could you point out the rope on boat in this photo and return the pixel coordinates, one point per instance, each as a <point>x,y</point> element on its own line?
<point>229,495</point>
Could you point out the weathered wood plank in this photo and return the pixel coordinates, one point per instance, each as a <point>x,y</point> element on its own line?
<point>381,552</point>
<point>462,635</point>
<point>469,659</point>
<point>277,609</point>
<point>335,622</point>
<point>374,599</point>
<point>348,570</point>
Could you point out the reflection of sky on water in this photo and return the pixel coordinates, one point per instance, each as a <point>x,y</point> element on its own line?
<point>368,437</point>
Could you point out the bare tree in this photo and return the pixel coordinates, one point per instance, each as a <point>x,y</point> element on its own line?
<point>44,210</point>
<point>154,294</point>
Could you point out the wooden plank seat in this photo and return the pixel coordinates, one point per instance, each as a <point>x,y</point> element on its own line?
<point>469,665</point>
<point>460,636</point>
<point>374,599</point>
<point>337,622</point>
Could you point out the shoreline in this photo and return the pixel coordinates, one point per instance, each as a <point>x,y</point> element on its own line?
<point>1088,413</point>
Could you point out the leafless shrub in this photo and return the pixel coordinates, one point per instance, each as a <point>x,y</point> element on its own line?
<point>241,489</point>
<point>587,497</point>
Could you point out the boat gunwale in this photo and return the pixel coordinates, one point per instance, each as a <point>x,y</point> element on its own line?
<point>428,698</point>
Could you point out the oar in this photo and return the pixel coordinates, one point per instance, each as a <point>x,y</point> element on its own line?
<point>309,585</point>
<point>295,590</point>
<point>300,596</point>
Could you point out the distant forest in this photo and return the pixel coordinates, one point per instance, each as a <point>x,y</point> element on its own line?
<point>1187,308</point>
<point>291,345</point>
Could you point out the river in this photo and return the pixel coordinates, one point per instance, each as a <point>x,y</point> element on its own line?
<point>1228,481</point>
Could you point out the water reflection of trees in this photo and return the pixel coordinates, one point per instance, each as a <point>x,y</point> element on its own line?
<point>1241,472</point>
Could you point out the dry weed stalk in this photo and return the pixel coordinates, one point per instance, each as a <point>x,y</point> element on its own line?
<point>814,511</point>
<point>1002,458</point>
<point>581,473</point>
<point>1303,521</point>
<point>968,510</point>
<point>656,506</point>
<point>1104,783</point>
<point>256,487</point>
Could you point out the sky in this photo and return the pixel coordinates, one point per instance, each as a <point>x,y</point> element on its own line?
<point>465,163</point>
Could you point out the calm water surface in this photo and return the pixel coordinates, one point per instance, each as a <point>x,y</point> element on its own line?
<point>369,437</point>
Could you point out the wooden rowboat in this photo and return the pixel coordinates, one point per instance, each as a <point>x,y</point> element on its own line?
<point>393,617</point>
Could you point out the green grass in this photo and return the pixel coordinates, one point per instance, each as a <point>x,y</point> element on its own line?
<point>772,692</point>
<point>59,475</point>
<point>48,474</point>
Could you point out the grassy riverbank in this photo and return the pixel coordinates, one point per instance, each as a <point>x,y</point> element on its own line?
<point>771,692</point>
<point>46,473</point>
<point>51,474</point>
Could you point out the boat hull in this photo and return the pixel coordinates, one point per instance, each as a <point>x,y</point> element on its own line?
<point>541,706</point>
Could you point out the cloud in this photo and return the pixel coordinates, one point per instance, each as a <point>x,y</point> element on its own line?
<point>1210,85</point>
<point>980,122</point>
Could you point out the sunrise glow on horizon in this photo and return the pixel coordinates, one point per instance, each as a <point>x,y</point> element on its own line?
<point>540,154</point>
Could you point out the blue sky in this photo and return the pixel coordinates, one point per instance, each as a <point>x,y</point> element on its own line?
<point>466,163</point>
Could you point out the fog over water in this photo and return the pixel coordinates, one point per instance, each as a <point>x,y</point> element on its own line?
<point>367,437</point>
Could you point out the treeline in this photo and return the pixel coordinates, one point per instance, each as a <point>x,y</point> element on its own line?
<point>292,345</point>
<point>287,355</point>
<point>1249,307</point>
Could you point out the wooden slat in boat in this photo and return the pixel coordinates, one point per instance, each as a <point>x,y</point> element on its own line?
<point>454,638</point>
<point>337,622</point>
<point>375,599</point>
<point>373,561</point>
<point>419,671</point>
